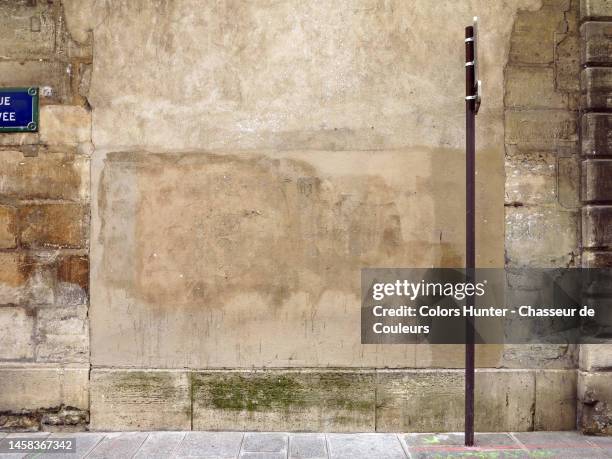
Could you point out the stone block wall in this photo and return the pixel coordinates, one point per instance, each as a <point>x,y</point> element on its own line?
<point>595,373</point>
<point>44,225</point>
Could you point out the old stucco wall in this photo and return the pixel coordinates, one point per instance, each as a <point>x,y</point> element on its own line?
<point>267,155</point>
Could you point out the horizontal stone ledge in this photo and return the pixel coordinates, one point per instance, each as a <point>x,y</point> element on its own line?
<point>595,9</point>
<point>597,226</point>
<point>595,128</point>
<point>596,43</point>
<point>596,183</point>
<point>596,357</point>
<point>596,88</point>
<point>329,399</point>
<point>597,259</point>
<point>40,387</point>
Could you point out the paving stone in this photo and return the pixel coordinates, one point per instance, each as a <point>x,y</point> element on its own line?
<point>265,442</point>
<point>446,445</point>
<point>307,446</point>
<point>603,442</point>
<point>210,445</point>
<point>494,439</point>
<point>366,446</point>
<point>119,445</point>
<point>85,443</point>
<point>263,455</point>
<point>562,445</point>
<point>160,445</point>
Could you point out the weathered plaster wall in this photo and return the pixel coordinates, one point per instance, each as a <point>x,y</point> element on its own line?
<point>319,138</point>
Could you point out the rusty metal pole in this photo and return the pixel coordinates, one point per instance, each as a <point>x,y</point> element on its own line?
<point>470,222</point>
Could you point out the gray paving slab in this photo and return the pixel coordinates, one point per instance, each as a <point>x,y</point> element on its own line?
<point>603,442</point>
<point>85,443</point>
<point>265,455</point>
<point>160,445</point>
<point>307,446</point>
<point>118,445</point>
<point>210,445</point>
<point>261,442</point>
<point>451,445</point>
<point>560,445</point>
<point>364,446</point>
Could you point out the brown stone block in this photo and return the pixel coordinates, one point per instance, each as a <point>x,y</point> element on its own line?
<point>596,88</point>
<point>14,272</point>
<point>16,337</point>
<point>597,180</point>
<point>302,400</point>
<point>64,125</point>
<point>555,400</point>
<point>541,130</point>
<point>532,87</point>
<point>432,400</point>
<point>533,37</point>
<point>28,29</point>
<point>596,137</point>
<point>528,236</point>
<point>531,178</point>
<point>595,9</point>
<point>567,68</point>
<point>33,388</point>
<point>595,407</point>
<point>140,400</point>
<point>45,176</point>
<point>596,43</point>
<point>597,226</point>
<point>74,270</point>
<point>8,227</point>
<point>596,357</point>
<point>52,75</point>
<point>597,259</point>
<point>54,225</point>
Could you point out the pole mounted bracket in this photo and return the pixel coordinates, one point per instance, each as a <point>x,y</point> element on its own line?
<point>478,83</point>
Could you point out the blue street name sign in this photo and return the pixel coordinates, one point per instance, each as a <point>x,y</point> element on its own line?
<point>18,109</point>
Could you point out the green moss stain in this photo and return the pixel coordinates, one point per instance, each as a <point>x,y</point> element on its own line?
<point>252,393</point>
<point>280,392</point>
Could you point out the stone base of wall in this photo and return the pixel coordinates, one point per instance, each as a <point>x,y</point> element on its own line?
<point>337,400</point>
<point>44,398</point>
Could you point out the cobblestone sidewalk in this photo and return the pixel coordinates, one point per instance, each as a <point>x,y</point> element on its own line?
<point>256,445</point>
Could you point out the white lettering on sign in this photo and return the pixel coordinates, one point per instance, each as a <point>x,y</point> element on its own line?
<point>7,116</point>
<point>5,101</point>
